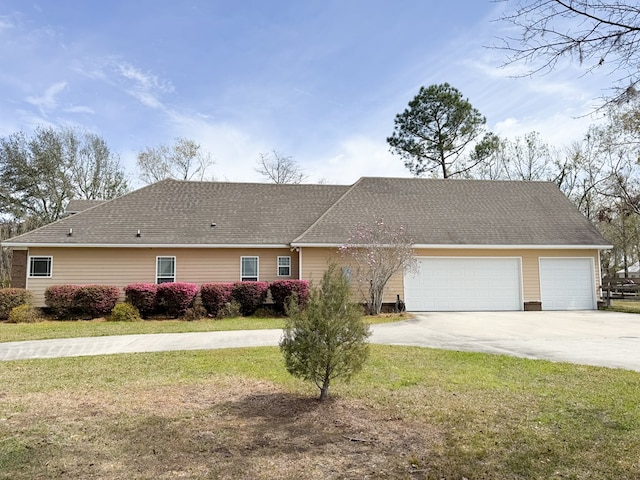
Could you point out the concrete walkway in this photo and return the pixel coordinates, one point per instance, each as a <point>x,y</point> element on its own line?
<point>590,338</point>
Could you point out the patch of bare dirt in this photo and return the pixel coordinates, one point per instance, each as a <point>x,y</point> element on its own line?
<point>224,429</point>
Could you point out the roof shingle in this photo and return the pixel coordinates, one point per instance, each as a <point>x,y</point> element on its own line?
<point>434,212</point>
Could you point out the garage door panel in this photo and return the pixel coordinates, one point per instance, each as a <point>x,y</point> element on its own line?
<point>567,284</point>
<point>464,284</point>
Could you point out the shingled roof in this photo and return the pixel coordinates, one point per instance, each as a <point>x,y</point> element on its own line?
<point>458,212</point>
<point>173,212</point>
<point>434,212</point>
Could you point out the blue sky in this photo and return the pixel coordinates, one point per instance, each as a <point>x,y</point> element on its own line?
<point>320,81</point>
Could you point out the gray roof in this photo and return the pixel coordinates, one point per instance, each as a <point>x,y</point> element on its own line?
<point>434,212</point>
<point>178,212</point>
<point>459,212</point>
<point>76,206</point>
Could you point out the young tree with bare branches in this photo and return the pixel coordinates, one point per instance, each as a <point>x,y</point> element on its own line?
<point>375,252</point>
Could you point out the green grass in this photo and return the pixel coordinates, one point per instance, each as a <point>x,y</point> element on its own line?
<point>625,306</point>
<point>493,417</point>
<point>97,328</point>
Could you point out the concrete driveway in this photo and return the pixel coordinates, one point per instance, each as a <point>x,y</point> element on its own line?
<point>590,337</point>
<point>585,337</point>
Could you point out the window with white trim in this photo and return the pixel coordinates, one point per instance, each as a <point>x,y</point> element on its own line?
<point>249,269</point>
<point>284,266</point>
<point>165,269</point>
<point>40,266</point>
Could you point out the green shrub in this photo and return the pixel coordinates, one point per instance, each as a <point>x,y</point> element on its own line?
<point>23,314</point>
<point>11,298</point>
<point>196,312</point>
<point>124,312</point>
<point>229,310</point>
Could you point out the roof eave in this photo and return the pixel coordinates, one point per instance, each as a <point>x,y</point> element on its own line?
<point>465,246</point>
<point>142,245</point>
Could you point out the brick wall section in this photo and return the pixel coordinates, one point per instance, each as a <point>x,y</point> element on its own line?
<point>19,269</point>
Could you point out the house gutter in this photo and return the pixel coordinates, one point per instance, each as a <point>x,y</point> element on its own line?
<point>139,245</point>
<point>480,247</point>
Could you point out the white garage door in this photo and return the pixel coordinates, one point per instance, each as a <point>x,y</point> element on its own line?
<point>464,284</point>
<point>567,284</point>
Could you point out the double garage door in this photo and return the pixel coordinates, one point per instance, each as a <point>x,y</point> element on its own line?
<point>495,284</point>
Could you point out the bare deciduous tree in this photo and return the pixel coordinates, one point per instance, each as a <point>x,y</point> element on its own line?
<point>375,252</point>
<point>277,168</point>
<point>182,161</point>
<point>597,34</point>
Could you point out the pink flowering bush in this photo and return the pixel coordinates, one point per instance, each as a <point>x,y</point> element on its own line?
<point>11,298</point>
<point>96,300</point>
<point>281,291</point>
<point>250,295</point>
<point>142,296</point>
<point>215,296</point>
<point>61,299</point>
<point>72,301</point>
<point>175,298</point>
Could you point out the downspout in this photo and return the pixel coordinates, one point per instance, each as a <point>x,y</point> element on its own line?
<point>300,263</point>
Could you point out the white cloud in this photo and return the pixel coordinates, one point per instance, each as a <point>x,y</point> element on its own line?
<point>356,156</point>
<point>48,101</point>
<point>145,87</point>
<point>79,109</point>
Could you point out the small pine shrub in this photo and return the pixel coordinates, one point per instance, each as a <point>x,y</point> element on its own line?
<point>142,296</point>
<point>23,314</point>
<point>61,299</point>
<point>214,296</point>
<point>250,295</point>
<point>124,312</point>
<point>175,298</point>
<point>11,298</point>
<point>229,310</point>
<point>282,290</point>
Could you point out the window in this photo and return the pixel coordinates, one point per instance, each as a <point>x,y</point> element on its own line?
<point>249,269</point>
<point>40,266</point>
<point>346,273</point>
<point>165,269</point>
<point>284,266</point>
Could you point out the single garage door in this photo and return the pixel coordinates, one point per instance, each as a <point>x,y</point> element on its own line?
<point>464,284</point>
<point>567,284</point>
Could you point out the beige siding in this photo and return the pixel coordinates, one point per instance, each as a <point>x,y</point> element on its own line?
<point>314,262</point>
<point>115,266</point>
<point>122,266</point>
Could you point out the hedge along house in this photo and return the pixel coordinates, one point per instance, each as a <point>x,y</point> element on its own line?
<point>480,245</point>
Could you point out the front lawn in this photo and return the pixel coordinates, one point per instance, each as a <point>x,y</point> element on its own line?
<point>413,413</point>
<point>97,328</point>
